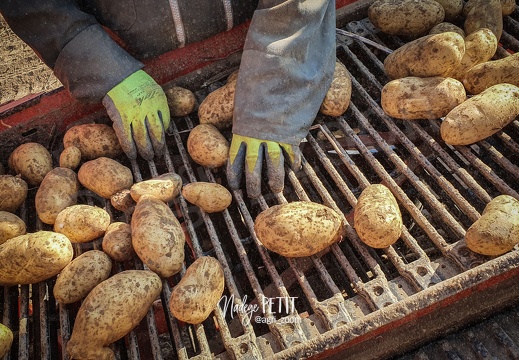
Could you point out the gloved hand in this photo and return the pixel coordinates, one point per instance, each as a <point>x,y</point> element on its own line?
<point>139,110</point>
<point>248,153</point>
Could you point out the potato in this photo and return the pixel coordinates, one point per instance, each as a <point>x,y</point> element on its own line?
<point>508,7</point>
<point>481,116</point>
<point>32,161</point>
<point>484,14</point>
<point>33,257</point>
<point>110,311</point>
<point>337,98</point>
<point>81,275</point>
<point>157,236</point>
<point>122,201</point>
<point>58,190</point>
<point>412,98</point>
<point>117,242</point>
<point>446,27</point>
<point>6,340</point>
<point>105,176</point>
<point>210,197</point>
<point>13,192</point>
<point>196,295</point>
<point>70,157</point>
<point>297,229</point>
<point>217,108</point>
<point>489,73</point>
<point>452,8</point>
<point>377,217</point>
<point>497,230</point>
<point>405,17</point>
<point>480,46</point>
<point>93,140</point>
<point>181,101</point>
<point>82,223</point>
<point>11,226</point>
<point>207,146</point>
<point>430,55</point>
<point>165,187</point>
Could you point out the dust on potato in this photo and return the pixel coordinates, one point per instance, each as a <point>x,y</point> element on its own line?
<point>337,98</point>
<point>93,141</point>
<point>165,187</point>
<point>32,161</point>
<point>207,146</point>
<point>181,101</point>
<point>13,192</point>
<point>70,157</point>
<point>10,226</point>
<point>82,223</point>
<point>105,176</point>
<point>210,197</point>
<point>217,108</point>
<point>117,241</point>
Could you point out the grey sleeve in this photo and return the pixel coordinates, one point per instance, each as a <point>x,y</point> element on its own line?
<point>286,69</point>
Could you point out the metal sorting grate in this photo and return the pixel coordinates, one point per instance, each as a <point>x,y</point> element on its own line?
<point>441,190</point>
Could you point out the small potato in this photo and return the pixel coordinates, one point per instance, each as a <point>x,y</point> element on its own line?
<point>497,230</point>
<point>93,140</point>
<point>79,277</point>
<point>484,14</point>
<point>337,98</point>
<point>32,161</point>
<point>412,98</point>
<point>207,146</point>
<point>33,257</point>
<point>70,158</point>
<point>122,201</point>
<point>298,229</point>
<point>6,340</point>
<point>82,223</point>
<point>117,242</point>
<point>58,190</point>
<point>217,108</point>
<point>13,192</point>
<point>481,116</point>
<point>165,187</point>
<point>11,226</point>
<point>210,197</point>
<point>446,27</point>
<point>480,46</point>
<point>377,217</point>
<point>196,295</point>
<point>508,7</point>
<point>110,311</point>
<point>105,176</point>
<point>493,72</point>
<point>181,101</point>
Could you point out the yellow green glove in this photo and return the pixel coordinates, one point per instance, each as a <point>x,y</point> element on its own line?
<point>139,110</point>
<point>248,153</point>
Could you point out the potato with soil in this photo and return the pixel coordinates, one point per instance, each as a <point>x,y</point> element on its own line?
<point>493,72</point>
<point>428,56</point>
<point>486,14</point>
<point>117,242</point>
<point>217,108</point>
<point>210,197</point>
<point>497,230</point>
<point>157,237</point>
<point>481,116</point>
<point>446,27</point>
<point>338,96</point>
<point>58,190</point>
<point>105,176</point>
<point>377,217</point>
<point>181,101</point>
<point>110,311</point>
<point>122,201</point>
<point>11,226</point>
<point>13,192</point>
<point>82,223</point>
<point>405,17</point>
<point>413,98</point>
<point>508,7</point>
<point>70,158</point>
<point>6,340</point>
<point>196,295</point>
<point>93,140</point>
<point>297,229</point>
<point>452,8</point>
<point>33,257</point>
<point>165,187</point>
<point>207,146</point>
<point>79,277</point>
<point>32,161</point>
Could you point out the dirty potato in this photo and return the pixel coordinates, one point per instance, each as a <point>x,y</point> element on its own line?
<point>164,187</point>
<point>493,72</point>
<point>105,176</point>
<point>508,7</point>
<point>122,201</point>
<point>210,197</point>
<point>70,158</point>
<point>81,275</point>
<point>207,146</point>
<point>6,340</point>
<point>338,96</point>
<point>484,14</point>
<point>11,226</point>
<point>13,192</point>
<point>497,230</point>
<point>82,223</point>
<point>298,229</point>
<point>452,8</point>
<point>217,108</point>
<point>446,27</point>
<point>196,295</point>
<point>117,242</point>
<point>377,217</point>
<point>110,311</point>
<point>181,101</point>
<point>32,161</point>
<point>93,140</point>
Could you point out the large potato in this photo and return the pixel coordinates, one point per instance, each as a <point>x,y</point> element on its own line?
<point>412,98</point>
<point>157,236</point>
<point>13,192</point>
<point>405,17</point>
<point>481,116</point>
<point>33,257</point>
<point>338,96</point>
<point>452,8</point>
<point>377,217</point>
<point>480,46</point>
<point>82,223</point>
<point>493,72</point>
<point>181,101</point>
<point>298,229</point>
<point>58,190</point>
<point>207,146</point>
<point>430,55</point>
<point>110,311</point>
<point>210,197</point>
<point>6,340</point>
<point>217,108</point>
<point>117,242</point>
<point>165,187</point>
<point>11,226</point>
<point>105,176</point>
<point>93,140</point>
<point>32,161</point>
<point>196,295</point>
<point>446,27</point>
<point>81,275</point>
<point>484,14</point>
<point>497,230</point>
